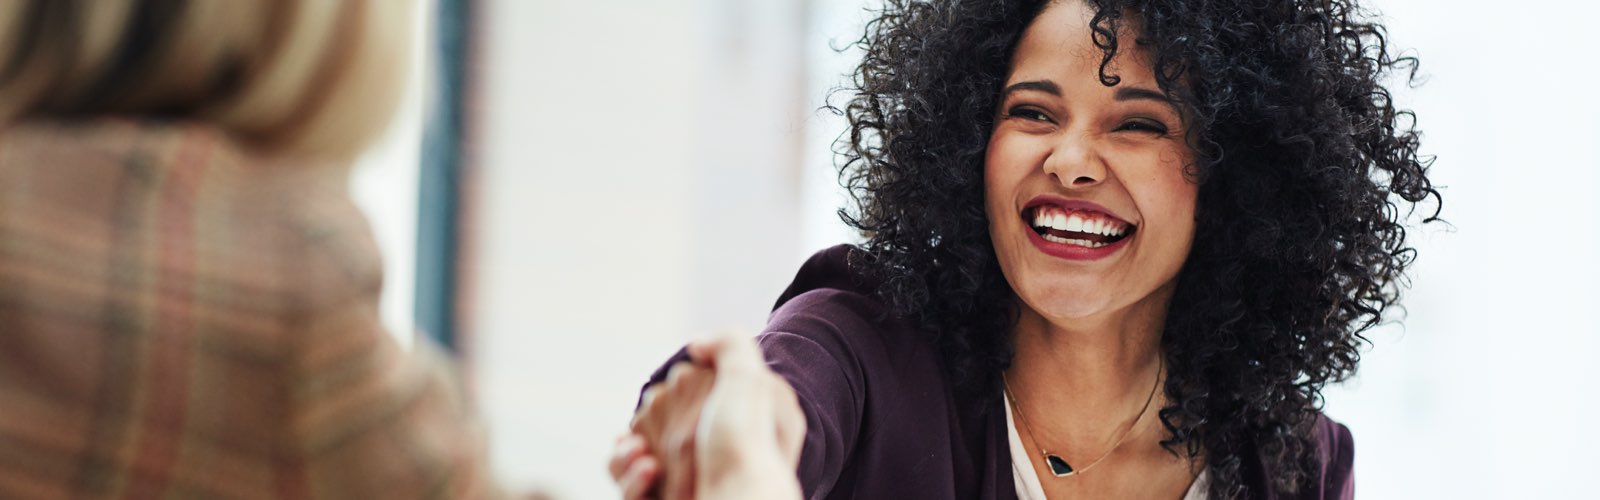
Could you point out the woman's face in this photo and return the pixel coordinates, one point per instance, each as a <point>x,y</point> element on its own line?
<point>1090,211</point>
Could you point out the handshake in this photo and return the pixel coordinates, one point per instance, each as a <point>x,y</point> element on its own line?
<point>721,426</point>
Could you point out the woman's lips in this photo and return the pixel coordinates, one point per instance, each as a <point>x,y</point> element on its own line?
<point>1075,230</point>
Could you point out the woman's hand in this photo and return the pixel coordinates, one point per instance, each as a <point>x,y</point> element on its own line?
<point>751,430</point>
<point>725,427</point>
<point>657,458</point>
<point>633,468</point>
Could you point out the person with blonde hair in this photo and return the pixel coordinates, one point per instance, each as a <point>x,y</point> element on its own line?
<point>188,297</point>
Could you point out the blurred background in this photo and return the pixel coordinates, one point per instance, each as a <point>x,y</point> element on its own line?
<point>575,188</point>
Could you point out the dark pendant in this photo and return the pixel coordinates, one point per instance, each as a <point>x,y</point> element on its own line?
<point>1058,466</point>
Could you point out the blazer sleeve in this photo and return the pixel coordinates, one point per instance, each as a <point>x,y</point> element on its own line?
<point>808,343</point>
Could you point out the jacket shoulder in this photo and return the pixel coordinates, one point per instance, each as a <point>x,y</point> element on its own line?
<point>1336,455</point>
<point>831,302</point>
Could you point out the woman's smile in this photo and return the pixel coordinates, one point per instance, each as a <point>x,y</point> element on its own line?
<point>1075,229</point>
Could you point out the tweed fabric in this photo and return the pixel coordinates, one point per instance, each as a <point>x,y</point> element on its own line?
<point>183,318</point>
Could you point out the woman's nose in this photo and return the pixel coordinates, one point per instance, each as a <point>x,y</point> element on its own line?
<point>1073,162</point>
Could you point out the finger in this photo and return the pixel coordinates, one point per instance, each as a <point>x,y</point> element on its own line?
<point>649,396</point>
<point>695,379</point>
<point>645,401</point>
<point>678,444</point>
<point>681,476</point>
<point>678,370</point>
<point>728,354</point>
<point>792,432</point>
<point>629,448</point>
<point>703,351</point>
<point>640,478</point>
<point>790,419</point>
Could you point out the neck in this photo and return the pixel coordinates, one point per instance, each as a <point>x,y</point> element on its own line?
<point>1080,377</point>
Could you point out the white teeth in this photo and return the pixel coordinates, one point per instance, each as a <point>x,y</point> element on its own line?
<point>1076,222</point>
<point>1074,241</point>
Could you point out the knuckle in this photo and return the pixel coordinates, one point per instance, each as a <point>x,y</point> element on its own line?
<point>677,372</point>
<point>684,447</point>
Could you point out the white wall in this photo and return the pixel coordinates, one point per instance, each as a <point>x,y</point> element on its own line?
<point>1485,391</point>
<point>638,162</point>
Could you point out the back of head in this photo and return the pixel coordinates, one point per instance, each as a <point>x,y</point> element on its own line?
<point>299,77</point>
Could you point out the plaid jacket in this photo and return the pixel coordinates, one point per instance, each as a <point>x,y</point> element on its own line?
<point>182,319</point>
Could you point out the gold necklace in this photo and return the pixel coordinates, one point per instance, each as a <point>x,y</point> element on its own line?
<point>1058,465</point>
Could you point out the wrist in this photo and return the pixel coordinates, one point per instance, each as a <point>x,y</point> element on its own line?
<point>764,475</point>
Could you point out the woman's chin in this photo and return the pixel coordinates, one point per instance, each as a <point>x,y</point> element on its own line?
<point>1069,306</point>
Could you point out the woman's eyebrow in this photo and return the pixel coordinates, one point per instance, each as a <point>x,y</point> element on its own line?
<point>1141,93</point>
<point>1045,86</point>
<point>1125,94</point>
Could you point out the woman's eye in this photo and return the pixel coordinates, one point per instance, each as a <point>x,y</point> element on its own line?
<point>1144,126</point>
<point>1028,113</point>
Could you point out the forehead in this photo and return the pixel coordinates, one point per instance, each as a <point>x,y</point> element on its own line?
<point>1059,45</point>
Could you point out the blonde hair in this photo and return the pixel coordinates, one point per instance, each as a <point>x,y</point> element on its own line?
<point>316,77</point>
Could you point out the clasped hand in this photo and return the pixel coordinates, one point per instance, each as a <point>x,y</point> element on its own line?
<point>722,426</point>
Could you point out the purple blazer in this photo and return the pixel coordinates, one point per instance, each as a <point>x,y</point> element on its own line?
<point>883,419</point>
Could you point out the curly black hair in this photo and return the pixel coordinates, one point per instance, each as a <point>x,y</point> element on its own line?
<point>1306,170</point>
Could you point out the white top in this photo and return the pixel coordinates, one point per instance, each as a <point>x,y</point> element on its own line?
<point>1028,487</point>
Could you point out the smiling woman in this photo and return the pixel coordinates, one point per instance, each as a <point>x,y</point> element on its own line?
<point>1067,145</point>
<point>1114,250</point>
